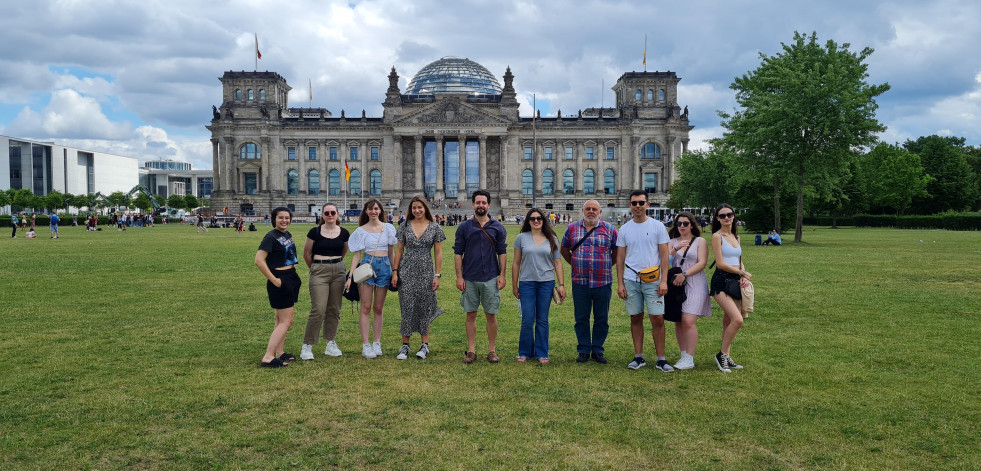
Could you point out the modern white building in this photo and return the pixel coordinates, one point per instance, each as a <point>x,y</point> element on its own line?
<point>170,177</point>
<point>44,167</point>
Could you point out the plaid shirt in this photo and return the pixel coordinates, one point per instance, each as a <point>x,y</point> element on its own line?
<point>592,264</point>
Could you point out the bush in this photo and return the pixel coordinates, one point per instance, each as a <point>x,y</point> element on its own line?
<point>949,220</point>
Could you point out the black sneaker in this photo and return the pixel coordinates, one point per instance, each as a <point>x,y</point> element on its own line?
<point>664,366</point>
<point>583,358</point>
<point>732,365</point>
<point>722,362</point>
<point>599,358</point>
<point>637,363</point>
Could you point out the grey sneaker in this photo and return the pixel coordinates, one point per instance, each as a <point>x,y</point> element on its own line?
<point>306,352</point>
<point>377,348</point>
<point>332,350</point>
<point>686,362</point>
<point>403,352</point>
<point>722,362</point>
<point>637,363</point>
<point>367,352</point>
<point>664,366</point>
<point>423,352</point>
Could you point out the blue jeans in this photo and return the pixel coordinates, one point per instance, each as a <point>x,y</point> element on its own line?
<point>597,301</point>
<point>536,298</point>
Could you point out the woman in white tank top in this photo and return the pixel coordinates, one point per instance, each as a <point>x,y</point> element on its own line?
<point>730,275</point>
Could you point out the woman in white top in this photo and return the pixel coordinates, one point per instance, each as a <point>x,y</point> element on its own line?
<point>690,252</point>
<point>730,275</point>
<point>372,243</point>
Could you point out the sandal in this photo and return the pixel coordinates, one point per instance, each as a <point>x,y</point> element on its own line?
<point>543,361</point>
<point>522,359</point>
<point>287,357</point>
<point>274,363</point>
<point>492,357</point>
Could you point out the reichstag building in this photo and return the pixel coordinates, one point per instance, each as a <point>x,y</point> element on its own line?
<point>453,130</point>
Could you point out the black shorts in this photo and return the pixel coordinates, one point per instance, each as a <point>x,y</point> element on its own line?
<point>286,295</point>
<point>725,282</point>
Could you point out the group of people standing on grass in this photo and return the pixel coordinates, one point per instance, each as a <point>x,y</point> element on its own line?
<point>408,259</point>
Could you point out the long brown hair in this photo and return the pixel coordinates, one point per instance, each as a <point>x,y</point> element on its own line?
<point>420,199</point>
<point>321,221</point>
<point>546,227</point>
<point>696,231</point>
<point>364,212</point>
<point>716,225</point>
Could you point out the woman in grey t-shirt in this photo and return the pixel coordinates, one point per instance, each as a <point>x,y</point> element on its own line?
<point>536,268</point>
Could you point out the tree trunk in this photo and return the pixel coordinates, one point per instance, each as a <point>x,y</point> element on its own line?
<point>799,227</point>
<point>776,205</point>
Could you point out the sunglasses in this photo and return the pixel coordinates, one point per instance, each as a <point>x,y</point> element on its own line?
<point>684,224</point>
<point>726,215</point>
<point>536,219</point>
<point>330,213</point>
<point>637,203</point>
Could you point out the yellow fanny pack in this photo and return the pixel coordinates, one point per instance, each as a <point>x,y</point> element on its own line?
<point>648,275</point>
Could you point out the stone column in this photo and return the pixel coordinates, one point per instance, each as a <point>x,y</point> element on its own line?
<point>462,190</point>
<point>483,161</point>
<point>396,163</point>
<point>229,163</point>
<point>216,169</point>
<point>420,163</point>
<point>439,165</point>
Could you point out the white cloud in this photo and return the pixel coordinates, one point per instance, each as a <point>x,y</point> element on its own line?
<point>68,115</point>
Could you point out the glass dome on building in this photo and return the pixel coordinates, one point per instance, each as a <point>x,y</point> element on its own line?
<point>454,75</point>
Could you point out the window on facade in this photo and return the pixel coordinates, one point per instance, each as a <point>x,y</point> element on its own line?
<point>568,153</point>
<point>660,94</point>
<point>374,153</point>
<point>251,94</point>
<point>354,184</point>
<point>354,153</point>
<point>451,168</point>
<point>650,182</point>
<point>638,96</point>
<point>588,181</point>
<point>205,186</point>
<point>650,95</point>
<point>527,153</point>
<point>291,153</point>
<point>650,151</point>
<point>568,181</point>
<point>548,153</point>
<point>251,183</point>
<point>238,94</point>
<point>429,168</point>
<point>262,95</point>
<point>609,181</point>
<point>333,153</point>
<point>527,182</point>
<point>375,182</point>
<point>589,153</point>
<point>548,182</point>
<point>312,153</point>
<point>472,166</point>
<point>334,182</point>
<point>292,182</point>
<point>250,151</point>
<point>313,183</point>
<point>610,153</point>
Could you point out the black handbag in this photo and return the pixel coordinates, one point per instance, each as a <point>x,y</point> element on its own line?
<point>353,294</point>
<point>677,295</point>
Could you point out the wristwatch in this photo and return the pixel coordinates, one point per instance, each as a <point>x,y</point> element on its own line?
<point>685,273</point>
<point>437,275</point>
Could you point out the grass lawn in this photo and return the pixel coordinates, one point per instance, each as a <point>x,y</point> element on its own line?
<point>139,349</point>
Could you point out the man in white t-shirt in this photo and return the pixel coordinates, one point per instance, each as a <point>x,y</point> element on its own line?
<point>644,243</point>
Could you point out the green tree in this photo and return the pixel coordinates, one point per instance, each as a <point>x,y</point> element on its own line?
<point>119,199</point>
<point>954,186</point>
<point>5,199</point>
<point>802,111</point>
<point>175,201</point>
<point>142,201</point>
<point>54,201</point>
<point>973,156</point>
<point>191,202</point>
<point>24,198</point>
<point>899,177</point>
<point>703,180</point>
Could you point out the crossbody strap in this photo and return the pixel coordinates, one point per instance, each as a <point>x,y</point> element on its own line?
<point>574,247</point>
<point>493,244</point>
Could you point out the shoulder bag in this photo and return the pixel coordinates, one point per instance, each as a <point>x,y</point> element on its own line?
<point>364,271</point>
<point>677,295</point>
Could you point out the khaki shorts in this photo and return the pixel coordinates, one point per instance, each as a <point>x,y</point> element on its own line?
<point>481,293</point>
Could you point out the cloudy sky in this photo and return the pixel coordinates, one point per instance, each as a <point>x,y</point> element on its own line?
<point>138,78</point>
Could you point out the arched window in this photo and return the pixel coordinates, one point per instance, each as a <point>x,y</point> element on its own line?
<point>313,182</point>
<point>650,95</point>
<point>354,184</point>
<point>568,181</point>
<point>238,94</point>
<point>334,182</point>
<point>609,181</point>
<point>660,94</point>
<point>588,181</point>
<point>251,94</point>
<point>262,95</point>
<point>250,151</point>
<point>527,182</point>
<point>650,151</point>
<point>639,96</point>
<point>292,182</point>
<point>375,182</point>
<point>548,182</point>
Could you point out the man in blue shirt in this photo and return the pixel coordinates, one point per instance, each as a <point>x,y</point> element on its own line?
<point>480,257</point>
<point>772,238</point>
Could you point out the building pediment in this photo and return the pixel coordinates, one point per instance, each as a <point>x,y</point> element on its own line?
<point>451,111</point>
<point>249,165</point>
<point>652,164</point>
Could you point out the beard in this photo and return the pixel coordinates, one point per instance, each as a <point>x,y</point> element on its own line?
<point>480,211</point>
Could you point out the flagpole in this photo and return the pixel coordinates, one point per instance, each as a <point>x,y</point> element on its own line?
<point>256,55</point>
<point>534,150</point>
<point>645,52</point>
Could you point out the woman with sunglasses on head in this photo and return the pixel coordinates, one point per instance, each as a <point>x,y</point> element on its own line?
<point>537,267</point>
<point>276,260</point>
<point>324,253</point>
<point>372,243</point>
<point>416,275</point>
<point>730,275</point>
<point>690,253</point>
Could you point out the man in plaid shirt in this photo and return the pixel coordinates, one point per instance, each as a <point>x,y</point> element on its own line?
<point>592,278</point>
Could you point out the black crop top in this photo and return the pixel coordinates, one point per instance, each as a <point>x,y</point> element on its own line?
<point>328,247</point>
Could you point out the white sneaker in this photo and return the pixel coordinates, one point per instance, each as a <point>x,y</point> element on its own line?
<point>367,351</point>
<point>686,362</point>
<point>403,352</point>
<point>377,348</point>
<point>423,352</point>
<point>306,352</point>
<point>332,350</point>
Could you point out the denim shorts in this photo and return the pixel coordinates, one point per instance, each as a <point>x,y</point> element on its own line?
<point>641,295</point>
<point>382,267</point>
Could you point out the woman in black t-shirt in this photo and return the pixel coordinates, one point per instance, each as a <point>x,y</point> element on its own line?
<point>276,260</point>
<point>324,253</point>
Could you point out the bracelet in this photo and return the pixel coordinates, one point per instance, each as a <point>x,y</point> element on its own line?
<point>437,275</point>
